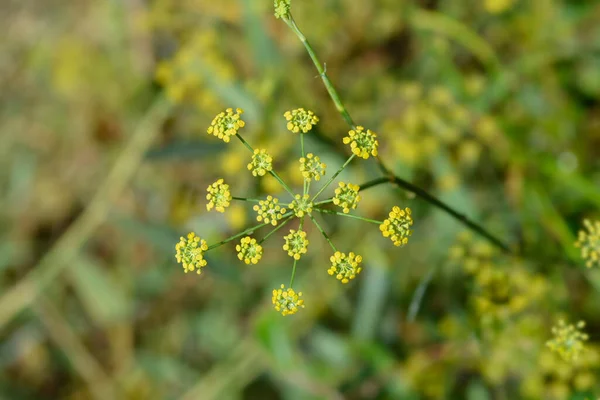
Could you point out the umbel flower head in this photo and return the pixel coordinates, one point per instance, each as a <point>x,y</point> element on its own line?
<point>300,120</point>
<point>287,301</point>
<point>190,253</point>
<point>249,251</point>
<point>261,163</point>
<point>589,243</point>
<point>282,8</point>
<point>226,124</point>
<point>346,196</point>
<point>269,210</point>
<point>312,167</point>
<point>296,244</point>
<point>397,226</point>
<point>568,340</point>
<point>363,143</point>
<point>218,196</point>
<point>301,205</point>
<point>345,267</point>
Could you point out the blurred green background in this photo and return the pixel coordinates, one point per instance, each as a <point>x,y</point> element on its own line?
<point>493,106</point>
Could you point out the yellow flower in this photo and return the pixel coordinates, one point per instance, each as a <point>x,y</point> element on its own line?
<point>300,120</point>
<point>346,196</point>
<point>589,243</point>
<point>226,124</point>
<point>296,244</point>
<point>269,210</point>
<point>301,205</point>
<point>397,226</point>
<point>311,167</point>
<point>568,340</point>
<point>287,301</point>
<point>249,250</point>
<point>190,253</point>
<point>218,196</point>
<point>261,163</point>
<point>345,267</point>
<point>363,143</point>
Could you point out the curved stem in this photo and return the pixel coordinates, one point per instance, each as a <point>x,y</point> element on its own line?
<point>439,204</point>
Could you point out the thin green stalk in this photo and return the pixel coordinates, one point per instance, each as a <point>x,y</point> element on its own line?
<point>322,232</point>
<point>323,202</point>
<point>333,177</point>
<point>296,261</point>
<point>246,232</point>
<point>245,199</point>
<point>374,221</point>
<point>278,227</point>
<point>273,173</point>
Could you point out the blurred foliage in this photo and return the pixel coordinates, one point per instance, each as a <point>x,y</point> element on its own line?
<point>493,106</point>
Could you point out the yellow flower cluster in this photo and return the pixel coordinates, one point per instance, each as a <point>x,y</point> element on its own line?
<point>397,226</point>
<point>190,253</point>
<point>345,267</point>
<point>363,143</point>
<point>287,301</point>
<point>346,196</point>
<point>300,120</point>
<point>261,163</point>
<point>226,124</point>
<point>589,243</point>
<point>282,8</point>
<point>296,244</point>
<point>269,211</point>
<point>218,196</point>
<point>312,167</point>
<point>301,205</point>
<point>249,251</point>
<point>568,341</point>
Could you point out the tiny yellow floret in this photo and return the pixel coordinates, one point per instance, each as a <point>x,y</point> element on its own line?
<point>269,211</point>
<point>261,162</point>
<point>249,251</point>
<point>218,196</point>
<point>226,124</point>
<point>345,267</point>
<point>312,167</point>
<point>346,196</point>
<point>568,340</point>
<point>287,301</point>
<point>301,205</point>
<point>362,143</point>
<point>190,253</point>
<point>397,226</point>
<point>300,120</point>
<point>589,243</point>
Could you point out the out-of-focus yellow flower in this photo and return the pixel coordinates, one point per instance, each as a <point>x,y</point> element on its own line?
<point>226,124</point>
<point>190,253</point>
<point>363,143</point>
<point>568,341</point>
<point>269,210</point>
<point>287,301</point>
<point>397,226</point>
<point>249,251</point>
<point>301,205</point>
<point>261,162</point>
<point>296,244</point>
<point>282,8</point>
<point>300,120</point>
<point>218,196</point>
<point>498,6</point>
<point>345,267</point>
<point>589,243</point>
<point>346,196</point>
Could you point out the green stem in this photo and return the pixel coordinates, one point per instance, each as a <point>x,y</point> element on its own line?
<point>246,232</point>
<point>278,227</point>
<point>333,177</point>
<point>439,204</point>
<point>322,232</point>
<point>273,173</point>
<point>296,261</point>
<point>322,72</point>
<point>323,202</point>
<point>374,221</point>
<point>245,199</point>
